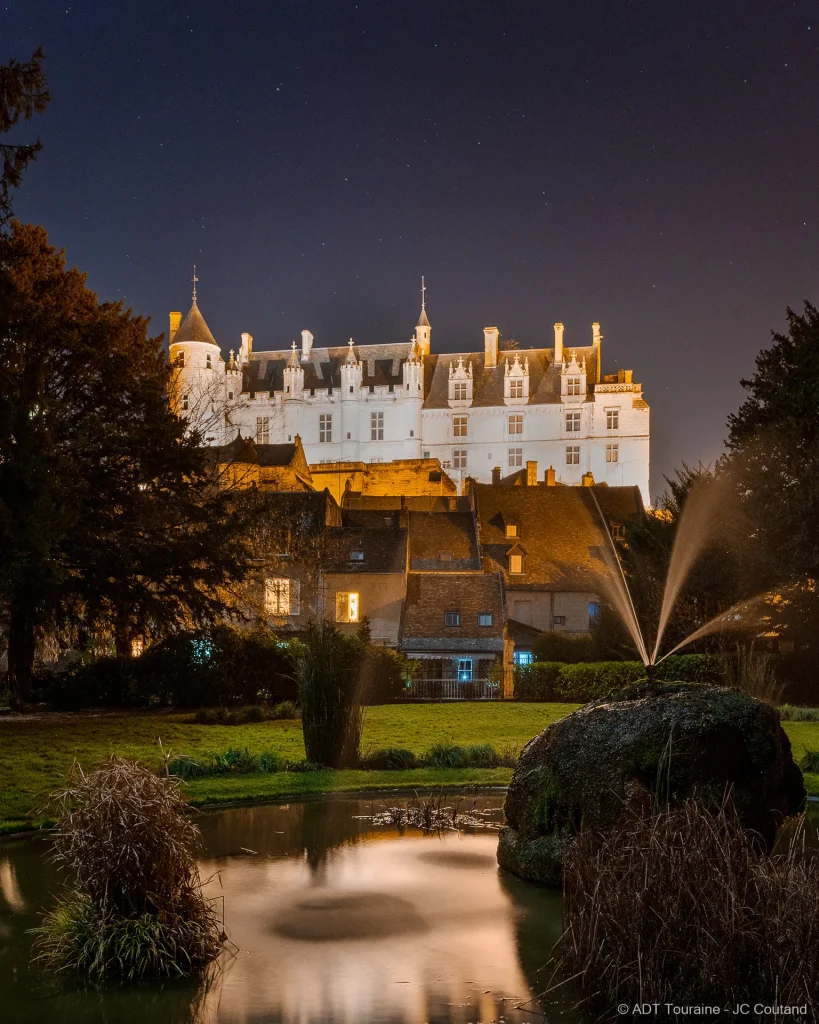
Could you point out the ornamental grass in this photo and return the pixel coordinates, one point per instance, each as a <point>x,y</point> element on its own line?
<point>684,907</point>
<point>134,905</point>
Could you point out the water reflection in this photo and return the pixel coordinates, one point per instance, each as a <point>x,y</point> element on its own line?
<point>334,922</point>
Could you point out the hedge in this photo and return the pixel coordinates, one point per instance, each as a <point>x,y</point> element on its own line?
<point>581,682</point>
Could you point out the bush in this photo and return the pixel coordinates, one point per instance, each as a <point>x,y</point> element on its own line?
<point>630,934</point>
<point>286,709</point>
<point>328,666</point>
<point>810,761</point>
<point>249,715</point>
<point>391,758</point>
<point>788,713</point>
<point>537,681</point>
<point>268,763</point>
<point>188,768</point>
<point>135,906</point>
<point>446,755</point>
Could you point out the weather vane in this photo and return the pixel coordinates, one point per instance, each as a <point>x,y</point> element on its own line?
<point>195,279</point>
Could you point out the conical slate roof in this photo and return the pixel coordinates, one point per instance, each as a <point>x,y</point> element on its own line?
<point>194,328</point>
<point>422,320</point>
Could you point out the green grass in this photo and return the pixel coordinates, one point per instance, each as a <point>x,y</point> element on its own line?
<point>35,755</point>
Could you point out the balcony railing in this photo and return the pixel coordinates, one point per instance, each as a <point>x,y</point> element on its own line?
<point>454,689</point>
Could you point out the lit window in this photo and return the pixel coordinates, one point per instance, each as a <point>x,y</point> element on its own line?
<point>516,389</point>
<point>377,426</point>
<point>263,430</point>
<point>524,657</point>
<point>459,458</point>
<point>595,611</point>
<point>612,419</point>
<point>452,618</point>
<point>572,421</point>
<point>459,391</point>
<point>573,455</point>
<point>484,618</point>
<point>464,670</point>
<point>346,607</point>
<point>325,427</point>
<point>516,564</point>
<point>459,426</point>
<point>512,530</point>
<point>515,457</point>
<point>559,620</point>
<point>515,425</point>
<point>612,453</point>
<point>356,556</point>
<point>572,385</point>
<point>277,596</point>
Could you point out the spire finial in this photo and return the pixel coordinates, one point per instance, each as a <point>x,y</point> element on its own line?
<point>194,279</point>
<point>423,294</point>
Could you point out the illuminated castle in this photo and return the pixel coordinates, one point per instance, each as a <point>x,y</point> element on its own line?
<point>474,411</point>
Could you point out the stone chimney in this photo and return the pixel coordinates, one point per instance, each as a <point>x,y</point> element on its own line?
<point>549,477</point>
<point>624,376</point>
<point>531,474</point>
<point>588,479</point>
<point>490,346</point>
<point>306,345</point>
<point>558,343</point>
<point>496,477</point>
<point>175,320</point>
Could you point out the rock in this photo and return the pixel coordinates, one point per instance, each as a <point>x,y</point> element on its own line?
<point>645,747</point>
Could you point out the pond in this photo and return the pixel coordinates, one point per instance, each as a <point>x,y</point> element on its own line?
<point>335,917</point>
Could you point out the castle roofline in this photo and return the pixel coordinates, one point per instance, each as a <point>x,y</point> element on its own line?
<point>194,328</point>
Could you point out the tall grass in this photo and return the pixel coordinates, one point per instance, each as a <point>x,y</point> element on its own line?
<point>683,907</point>
<point>329,667</point>
<point>754,673</point>
<point>134,906</point>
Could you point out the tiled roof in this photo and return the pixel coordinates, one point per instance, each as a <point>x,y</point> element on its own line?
<point>430,595</point>
<point>243,449</point>
<point>311,511</point>
<point>433,534</point>
<point>414,502</point>
<point>566,544</point>
<point>381,366</point>
<point>193,328</point>
<point>384,551</point>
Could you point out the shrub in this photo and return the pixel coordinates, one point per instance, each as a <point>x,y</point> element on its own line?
<point>210,716</point>
<point>248,715</point>
<point>303,766</point>
<point>788,713</point>
<point>482,756</point>
<point>537,681</point>
<point>188,768</point>
<point>233,760</point>
<point>135,906</point>
<point>691,668</point>
<point>269,763</point>
<point>286,709</point>
<point>630,933</point>
<point>810,761</point>
<point>328,664</point>
<point>391,757</point>
<point>446,755</point>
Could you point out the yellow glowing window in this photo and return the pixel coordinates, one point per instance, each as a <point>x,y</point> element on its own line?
<point>347,606</point>
<point>277,596</point>
<point>512,530</point>
<point>516,564</point>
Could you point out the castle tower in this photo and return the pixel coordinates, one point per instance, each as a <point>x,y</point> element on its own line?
<point>413,384</point>
<point>423,330</point>
<point>351,372</point>
<point>198,387</point>
<point>293,378</point>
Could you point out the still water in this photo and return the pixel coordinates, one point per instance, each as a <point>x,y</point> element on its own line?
<point>334,919</point>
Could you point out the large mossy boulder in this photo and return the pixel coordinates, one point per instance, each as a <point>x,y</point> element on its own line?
<point>647,746</point>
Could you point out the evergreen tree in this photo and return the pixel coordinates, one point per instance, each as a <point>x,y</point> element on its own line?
<point>108,516</point>
<point>23,94</point>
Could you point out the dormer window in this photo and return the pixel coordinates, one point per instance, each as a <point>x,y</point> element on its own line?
<point>516,561</point>
<point>516,381</point>
<point>459,391</point>
<point>512,530</point>
<point>573,380</point>
<point>460,384</point>
<point>572,385</point>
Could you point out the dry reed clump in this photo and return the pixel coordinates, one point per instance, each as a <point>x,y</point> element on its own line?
<point>134,907</point>
<point>683,907</point>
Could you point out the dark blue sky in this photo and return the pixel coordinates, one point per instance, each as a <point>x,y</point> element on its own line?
<point>651,165</point>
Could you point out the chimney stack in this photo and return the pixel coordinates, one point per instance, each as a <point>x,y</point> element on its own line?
<point>531,474</point>
<point>496,475</point>
<point>306,345</point>
<point>549,477</point>
<point>588,479</point>
<point>558,343</point>
<point>175,320</point>
<point>490,347</point>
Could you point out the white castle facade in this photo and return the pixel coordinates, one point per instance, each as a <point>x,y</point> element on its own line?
<point>473,411</point>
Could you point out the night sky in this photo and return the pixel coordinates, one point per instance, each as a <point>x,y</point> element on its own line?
<point>651,165</point>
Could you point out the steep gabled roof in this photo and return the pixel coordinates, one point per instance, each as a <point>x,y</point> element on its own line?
<point>383,550</point>
<point>194,328</point>
<point>433,534</point>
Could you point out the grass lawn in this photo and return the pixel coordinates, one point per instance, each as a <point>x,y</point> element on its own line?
<point>35,755</point>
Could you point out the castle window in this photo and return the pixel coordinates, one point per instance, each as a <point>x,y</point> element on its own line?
<point>351,389</point>
<point>572,385</point>
<point>426,455</point>
<point>263,430</point>
<point>459,426</point>
<point>230,396</point>
<point>185,403</point>
<point>573,455</point>
<point>459,458</point>
<point>452,618</point>
<point>277,595</point>
<point>346,607</point>
<point>612,453</point>
<point>515,457</point>
<point>612,419</point>
<point>180,359</point>
<point>573,421</point>
<point>515,425</point>
<point>512,530</point>
<point>516,564</point>
<point>208,363</point>
<point>459,391</point>
<point>516,389</point>
<point>484,618</point>
<point>412,433</point>
<point>325,427</point>
<point>377,426</point>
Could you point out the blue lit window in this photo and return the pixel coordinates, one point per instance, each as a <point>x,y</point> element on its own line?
<point>594,612</point>
<point>524,657</point>
<point>464,670</point>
